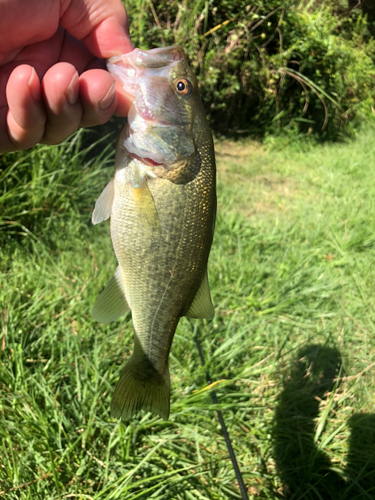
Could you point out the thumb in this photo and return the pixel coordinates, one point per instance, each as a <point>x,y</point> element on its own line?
<point>102,26</point>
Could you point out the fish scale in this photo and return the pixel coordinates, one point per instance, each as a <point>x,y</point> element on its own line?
<point>162,220</point>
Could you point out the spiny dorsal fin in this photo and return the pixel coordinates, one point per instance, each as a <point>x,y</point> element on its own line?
<point>111,303</point>
<point>103,205</point>
<point>202,307</point>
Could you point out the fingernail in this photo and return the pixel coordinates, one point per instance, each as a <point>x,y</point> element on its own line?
<point>34,89</point>
<point>72,92</point>
<point>108,98</point>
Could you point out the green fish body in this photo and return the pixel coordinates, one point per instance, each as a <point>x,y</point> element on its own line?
<point>162,205</point>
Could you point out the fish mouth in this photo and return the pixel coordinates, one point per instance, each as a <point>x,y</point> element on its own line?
<point>148,158</point>
<point>126,69</point>
<point>146,161</point>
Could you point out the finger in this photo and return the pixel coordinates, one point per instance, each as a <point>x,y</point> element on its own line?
<point>25,118</point>
<point>23,23</point>
<point>102,26</point>
<point>98,96</point>
<point>60,87</point>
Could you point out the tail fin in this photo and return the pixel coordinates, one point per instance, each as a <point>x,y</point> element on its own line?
<point>141,387</point>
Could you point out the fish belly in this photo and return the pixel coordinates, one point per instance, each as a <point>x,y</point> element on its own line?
<point>161,235</point>
<point>162,261</point>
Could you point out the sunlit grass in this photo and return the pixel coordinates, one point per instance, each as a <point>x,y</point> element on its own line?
<point>292,345</point>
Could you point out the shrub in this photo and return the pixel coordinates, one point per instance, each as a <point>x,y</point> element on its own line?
<point>271,64</point>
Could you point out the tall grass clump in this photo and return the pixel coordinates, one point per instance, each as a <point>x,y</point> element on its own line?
<point>272,66</point>
<point>42,189</point>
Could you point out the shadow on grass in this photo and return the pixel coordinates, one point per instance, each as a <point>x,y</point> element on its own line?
<point>361,457</point>
<point>305,469</point>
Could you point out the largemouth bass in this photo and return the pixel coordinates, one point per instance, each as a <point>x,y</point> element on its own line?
<point>162,205</point>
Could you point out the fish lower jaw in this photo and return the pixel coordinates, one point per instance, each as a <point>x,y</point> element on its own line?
<point>146,157</point>
<point>146,161</point>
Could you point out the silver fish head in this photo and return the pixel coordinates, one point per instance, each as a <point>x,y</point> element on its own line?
<point>159,130</point>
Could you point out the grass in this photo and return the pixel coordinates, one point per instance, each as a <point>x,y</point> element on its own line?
<point>292,345</point>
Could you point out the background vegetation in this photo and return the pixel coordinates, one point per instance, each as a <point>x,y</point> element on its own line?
<point>292,345</point>
<point>270,66</point>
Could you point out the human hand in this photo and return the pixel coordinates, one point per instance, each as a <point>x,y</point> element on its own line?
<point>52,74</point>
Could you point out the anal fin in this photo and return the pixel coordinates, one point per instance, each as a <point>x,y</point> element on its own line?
<point>111,303</point>
<point>202,307</point>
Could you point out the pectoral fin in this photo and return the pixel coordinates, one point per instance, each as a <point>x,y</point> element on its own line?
<point>144,203</point>
<point>111,303</point>
<point>103,205</point>
<point>202,307</point>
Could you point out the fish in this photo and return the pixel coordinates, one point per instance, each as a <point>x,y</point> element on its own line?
<point>162,206</point>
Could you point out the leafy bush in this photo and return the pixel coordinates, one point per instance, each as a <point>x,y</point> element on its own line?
<point>270,65</point>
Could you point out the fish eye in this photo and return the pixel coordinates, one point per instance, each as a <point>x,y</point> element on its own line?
<point>183,87</point>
